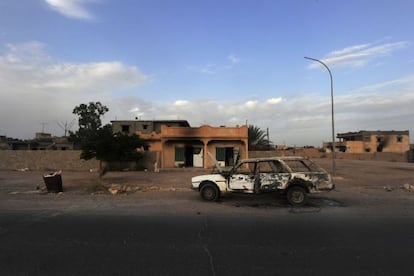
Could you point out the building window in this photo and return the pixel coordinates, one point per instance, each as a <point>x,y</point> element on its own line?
<point>399,139</point>
<point>379,139</point>
<point>145,126</point>
<point>366,138</point>
<point>221,154</point>
<point>179,154</point>
<point>125,128</point>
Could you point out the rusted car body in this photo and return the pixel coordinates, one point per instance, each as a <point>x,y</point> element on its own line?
<point>295,176</point>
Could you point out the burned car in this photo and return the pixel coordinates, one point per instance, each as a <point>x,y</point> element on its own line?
<point>293,176</point>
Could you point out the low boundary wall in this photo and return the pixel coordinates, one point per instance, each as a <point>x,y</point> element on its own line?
<point>315,153</point>
<point>45,160</point>
<point>69,160</point>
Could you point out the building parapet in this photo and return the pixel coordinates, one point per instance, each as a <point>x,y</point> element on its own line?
<point>205,131</point>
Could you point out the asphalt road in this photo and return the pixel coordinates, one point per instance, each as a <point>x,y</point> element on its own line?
<point>75,243</point>
<point>364,227</point>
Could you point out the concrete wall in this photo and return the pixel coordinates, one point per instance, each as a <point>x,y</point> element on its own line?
<point>53,160</point>
<point>70,161</point>
<point>45,160</point>
<point>315,153</point>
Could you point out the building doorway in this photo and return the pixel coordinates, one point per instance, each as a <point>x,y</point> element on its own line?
<point>225,156</point>
<point>189,156</point>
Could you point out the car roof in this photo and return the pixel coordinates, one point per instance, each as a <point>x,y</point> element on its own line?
<point>275,158</point>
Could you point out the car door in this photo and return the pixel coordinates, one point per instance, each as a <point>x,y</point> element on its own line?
<point>243,176</point>
<point>273,175</point>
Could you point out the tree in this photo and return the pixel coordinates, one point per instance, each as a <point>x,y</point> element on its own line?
<point>90,115</point>
<point>258,139</point>
<point>89,123</point>
<point>97,141</point>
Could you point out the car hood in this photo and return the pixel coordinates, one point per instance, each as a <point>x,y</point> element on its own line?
<point>211,177</point>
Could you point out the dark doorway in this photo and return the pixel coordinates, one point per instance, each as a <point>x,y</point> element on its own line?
<point>225,155</point>
<point>229,157</point>
<point>189,156</point>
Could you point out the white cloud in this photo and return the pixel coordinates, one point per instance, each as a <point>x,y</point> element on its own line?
<point>71,8</point>
<point>359,55</point>
<point>102,75</point>
<point>233,59</point>
<point>251,104</point>
<point>181,103</point>
<point>215,68</point>
<point>300,120</point>
<point>35,88</point>
<point>273,101</point>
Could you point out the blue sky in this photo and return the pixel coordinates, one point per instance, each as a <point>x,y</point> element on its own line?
<point>209,62</point>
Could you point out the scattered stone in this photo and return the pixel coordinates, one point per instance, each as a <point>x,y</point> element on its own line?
<point>388,188</point>
<point>114,188</point>
<point>408,187</point>
<point>118,189</point>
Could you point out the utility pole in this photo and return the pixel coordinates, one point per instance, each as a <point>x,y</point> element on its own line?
<point>332,114</point>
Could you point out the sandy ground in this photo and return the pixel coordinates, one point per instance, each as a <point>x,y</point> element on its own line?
<point>364,188</point>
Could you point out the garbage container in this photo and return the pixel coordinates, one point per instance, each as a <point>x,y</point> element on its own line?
<point>53,182</point>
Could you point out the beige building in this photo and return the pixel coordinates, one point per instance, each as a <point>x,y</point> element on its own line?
<point>373,141</point>
<point>179,145</point>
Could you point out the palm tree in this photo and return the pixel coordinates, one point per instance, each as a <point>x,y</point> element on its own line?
<point>258,138</point>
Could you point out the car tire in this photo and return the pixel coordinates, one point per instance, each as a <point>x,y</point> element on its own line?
<point>210,192</point>
<point>297,196</point>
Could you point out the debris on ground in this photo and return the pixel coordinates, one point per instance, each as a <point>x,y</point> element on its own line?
<point>408,187</point>
<point>388,188</point>
<point>118,189</point>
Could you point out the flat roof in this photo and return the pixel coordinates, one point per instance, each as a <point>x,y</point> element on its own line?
<point>182,122</point>
<point>373,132</point>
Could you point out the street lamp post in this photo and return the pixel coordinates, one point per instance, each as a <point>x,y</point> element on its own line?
<point>332,111</point>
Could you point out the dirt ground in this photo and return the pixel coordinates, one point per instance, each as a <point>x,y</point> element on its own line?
<point>363,187</point>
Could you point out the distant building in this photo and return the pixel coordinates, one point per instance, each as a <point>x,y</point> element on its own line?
<point>43,141</point>
<point>179,145</point>
<point>145,126</point>
<point>372,141</point>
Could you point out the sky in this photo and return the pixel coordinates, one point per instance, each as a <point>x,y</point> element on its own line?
<point>215,62</point>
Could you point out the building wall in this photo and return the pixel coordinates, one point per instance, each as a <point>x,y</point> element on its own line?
<point>355,146</point>
<point>144,126</point>
<point>206,137</point>
<point>387,143</point>
<point>376,141</point>
<point>392,144</point>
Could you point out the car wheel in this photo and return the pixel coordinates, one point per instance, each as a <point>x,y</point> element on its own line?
<point>209,192</point>
<point>297,196</point>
